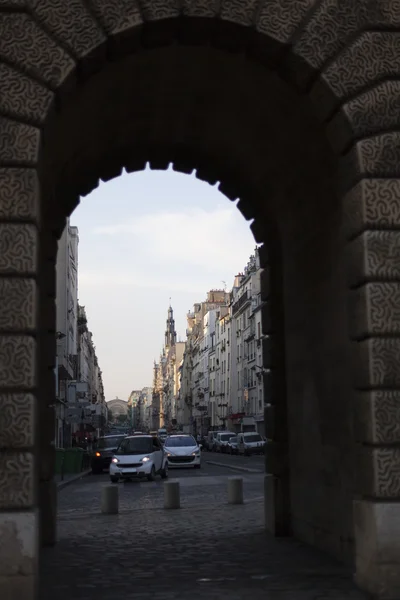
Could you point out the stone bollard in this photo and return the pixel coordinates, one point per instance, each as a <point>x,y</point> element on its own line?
<point>172,494</point>
<point>235,490</point>
<point>109,500</point>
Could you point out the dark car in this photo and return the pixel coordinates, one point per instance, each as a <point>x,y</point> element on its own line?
<point>103,451</point>
<point>232,445</point>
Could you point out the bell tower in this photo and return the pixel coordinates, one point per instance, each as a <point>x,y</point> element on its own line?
<point>170,333</point>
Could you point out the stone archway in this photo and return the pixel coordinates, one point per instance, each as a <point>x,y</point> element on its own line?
<point>293,107</point>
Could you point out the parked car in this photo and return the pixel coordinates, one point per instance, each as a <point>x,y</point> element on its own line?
<point>103,451</point>
<point>139,456</point>
<point>222,439</point>
<point>250,442</point>
<point>182,450</point>
<point>232,446</point>
<point>211,438</point>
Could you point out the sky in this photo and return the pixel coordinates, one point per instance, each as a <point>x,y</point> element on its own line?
<point>146,238</point>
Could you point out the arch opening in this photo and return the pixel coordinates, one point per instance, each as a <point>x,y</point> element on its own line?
<point>235,122</point>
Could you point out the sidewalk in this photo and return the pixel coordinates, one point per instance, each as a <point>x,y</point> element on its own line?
<point>69,478</point>
<point>204,551</point>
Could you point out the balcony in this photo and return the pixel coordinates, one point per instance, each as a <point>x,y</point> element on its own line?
<point>251,333</point>
<point>239,304</point>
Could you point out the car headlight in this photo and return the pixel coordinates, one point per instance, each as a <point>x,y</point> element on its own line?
<point>146,459</point>
<point>115,460</point>
<point>169,454</point>
<point>196,453</point>
<point>97,454</point>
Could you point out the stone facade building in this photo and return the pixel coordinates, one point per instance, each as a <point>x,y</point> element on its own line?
<point>80,401</point>
<point>66,327</point>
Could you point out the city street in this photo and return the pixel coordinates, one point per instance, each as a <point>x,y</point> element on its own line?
<point>255,462</point>
<point>203,551</point>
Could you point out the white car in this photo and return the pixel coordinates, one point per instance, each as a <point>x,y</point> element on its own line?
<point>139,456</point>
<point>182,451</point>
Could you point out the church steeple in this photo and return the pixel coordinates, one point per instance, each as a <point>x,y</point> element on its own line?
<point>170,333</point>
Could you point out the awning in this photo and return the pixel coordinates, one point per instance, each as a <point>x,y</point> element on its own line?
<point>236,416</point>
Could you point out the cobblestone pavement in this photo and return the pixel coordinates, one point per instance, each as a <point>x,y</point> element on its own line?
<point>206,550</point>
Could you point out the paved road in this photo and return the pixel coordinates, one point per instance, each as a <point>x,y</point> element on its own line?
<point>251,462</point>
<point>206,550</point>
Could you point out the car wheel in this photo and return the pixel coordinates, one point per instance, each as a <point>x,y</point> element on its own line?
<point>164,471</point>
<point>152,475</point>
<point>113,479</point>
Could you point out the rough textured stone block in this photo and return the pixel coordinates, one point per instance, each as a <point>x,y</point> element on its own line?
<point>117,16</point>
<point>17,361</point>
<point>155,10</point>
<point>16,480</point>
<point>19,547</point>
<point>19,194</point>
<point>18,304</point>
<point>17,420</point>
<point>374,255</point>
<point>377,417</point>
<point>25,44</point>
<point>377,156</point>
<point>83,37</point>
<point>375,310</point>
<point>19,143</point>
<point>378,363</point>
<point>373,55</point>
<point>280,20</point>
<point>369,113</point>
<point>372,204</point>
<point>18,248</point>
<point>338,21</point>
<point>377,535</point>
<point>378,471</point>
<point>240,13</point>
<point>200,8</point>
<point>23,97</point>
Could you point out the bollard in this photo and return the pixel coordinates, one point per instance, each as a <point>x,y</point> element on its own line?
<point>109,500</point>
<point>172,494</point>
<point>235,490</point>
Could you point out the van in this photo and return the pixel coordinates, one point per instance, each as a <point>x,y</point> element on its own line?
<point>211,439</point>
<point>222,439</point>
<point>250,442</point>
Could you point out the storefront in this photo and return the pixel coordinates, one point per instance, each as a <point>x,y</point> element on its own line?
<point>260,424</point>
<point>234,422</point>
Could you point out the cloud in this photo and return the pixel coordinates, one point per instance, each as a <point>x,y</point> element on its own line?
<point>211,239</point>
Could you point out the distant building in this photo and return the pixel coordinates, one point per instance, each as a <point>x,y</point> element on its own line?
<point>66,323</point>
<point>118,408</point>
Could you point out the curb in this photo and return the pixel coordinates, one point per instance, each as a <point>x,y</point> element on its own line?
<point>234,467</point>
<point>63,484</point>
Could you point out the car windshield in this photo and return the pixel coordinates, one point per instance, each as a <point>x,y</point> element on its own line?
<point>253,438</point>
<point>226,436</point>
<point>109,442</point>
<point>179,441</point>
<point>136,445</point>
